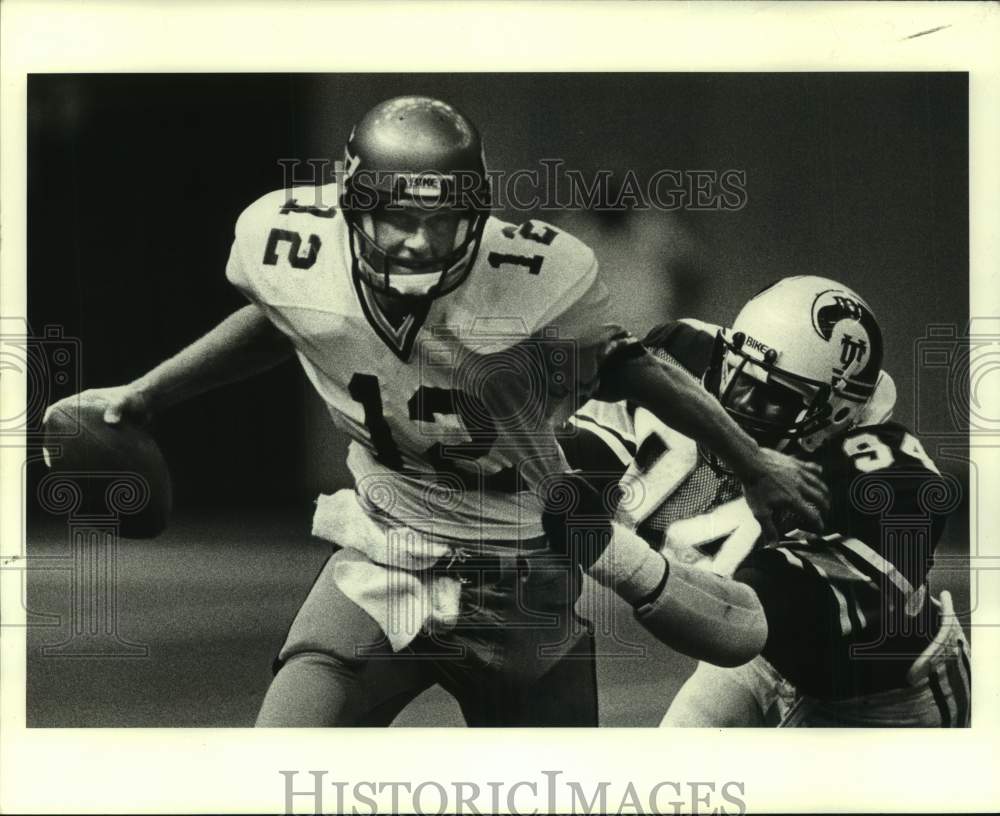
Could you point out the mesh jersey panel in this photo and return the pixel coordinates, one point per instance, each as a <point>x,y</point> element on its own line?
<point>699,493</point>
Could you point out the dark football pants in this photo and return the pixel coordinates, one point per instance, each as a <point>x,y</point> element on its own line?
<point>518,656</point>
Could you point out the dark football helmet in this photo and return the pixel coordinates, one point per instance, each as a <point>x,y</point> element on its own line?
<point>408,157</point>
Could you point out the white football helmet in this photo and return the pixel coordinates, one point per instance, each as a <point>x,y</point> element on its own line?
<point>800,363</point>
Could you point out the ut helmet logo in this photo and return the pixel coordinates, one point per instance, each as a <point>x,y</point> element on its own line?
<point>831,307</point>
<point>858,336</point>
<point>851,350</point>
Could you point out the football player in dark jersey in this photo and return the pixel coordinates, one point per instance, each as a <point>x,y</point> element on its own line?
<point>852,637</point>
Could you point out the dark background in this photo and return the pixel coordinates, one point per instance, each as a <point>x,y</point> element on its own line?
<point>135,183</point>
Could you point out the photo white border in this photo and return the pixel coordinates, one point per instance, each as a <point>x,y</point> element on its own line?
<point>236,770</point>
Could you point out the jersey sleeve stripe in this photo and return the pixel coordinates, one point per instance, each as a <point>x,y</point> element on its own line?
<point>959,690</point>
<point>939,698</point>
<point>915,602</point>
<point>846,627</point>
<point>838,585</point>
<point>865,552</point>
<point>846,623</point>
<point>963,653</point>
<point>790,557</point>
<point>857,608</point>
<point>851,568</point>
<point>874,574</point>
<point>944,681</point>
<point>623,448</point>
<point>834,563</point>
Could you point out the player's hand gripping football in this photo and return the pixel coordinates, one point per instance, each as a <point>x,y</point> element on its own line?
<point>123,402</point>
<point>782,483</point>
<point>98,435</point>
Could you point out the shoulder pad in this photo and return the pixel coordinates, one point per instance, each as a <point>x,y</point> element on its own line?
<point>882,472</point>
<point>888,500</point>
<point>525,277</point>
<point>884,446</point>
<point>882,402</point>
<point>277,226</point>
<point>690,342</point>
<point>557,264</point>
<point>298,201</point>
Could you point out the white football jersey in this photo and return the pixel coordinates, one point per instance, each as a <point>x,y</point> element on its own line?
<point>670,492</point>
<point>451,417</point>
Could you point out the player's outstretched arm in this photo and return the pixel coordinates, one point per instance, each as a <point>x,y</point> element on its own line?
<point>696,612</point>
<point>771,480</point>
<point>244,344</point>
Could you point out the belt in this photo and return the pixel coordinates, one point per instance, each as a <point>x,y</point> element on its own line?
<point>471,567</point>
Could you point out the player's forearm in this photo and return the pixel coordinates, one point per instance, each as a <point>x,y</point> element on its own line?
<point>678,400</point>
<point>693,611</point>
<point>244,344</point>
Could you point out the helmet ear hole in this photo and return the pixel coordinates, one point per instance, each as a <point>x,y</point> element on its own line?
<point>841,415</point>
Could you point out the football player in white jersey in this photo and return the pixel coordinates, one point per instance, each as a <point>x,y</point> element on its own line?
<point>851,636</point>
<point>449,346</point>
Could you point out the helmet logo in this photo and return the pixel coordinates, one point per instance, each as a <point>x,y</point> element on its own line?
<point>756,345</point>
<point>421,185</point>
<point>353,162</point>
<point>826,315</point>
<point>851,350</point>
<point>859,338</point>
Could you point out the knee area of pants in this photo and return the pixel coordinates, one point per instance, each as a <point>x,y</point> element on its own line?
<point>322,660</point>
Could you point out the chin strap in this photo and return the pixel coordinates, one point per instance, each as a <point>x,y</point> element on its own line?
<point>414,284</point>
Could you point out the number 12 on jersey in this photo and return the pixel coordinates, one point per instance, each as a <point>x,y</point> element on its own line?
<point>422,406</point>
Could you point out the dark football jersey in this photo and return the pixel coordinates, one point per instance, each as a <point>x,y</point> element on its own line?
<point>847,609</point>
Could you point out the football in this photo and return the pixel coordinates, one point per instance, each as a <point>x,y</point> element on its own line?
<point>118,470</point>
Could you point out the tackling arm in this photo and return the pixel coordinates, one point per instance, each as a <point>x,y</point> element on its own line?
<point>694,611</point>
<point>698,613</point>
<point>771,480</point>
